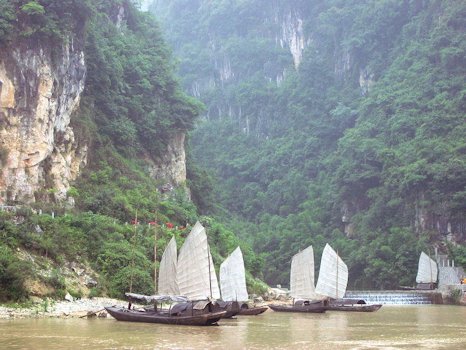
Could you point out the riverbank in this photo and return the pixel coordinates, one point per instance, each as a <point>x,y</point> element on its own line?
<point>43,308</point>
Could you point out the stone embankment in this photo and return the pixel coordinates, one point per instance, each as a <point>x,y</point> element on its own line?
<point>64,309</point>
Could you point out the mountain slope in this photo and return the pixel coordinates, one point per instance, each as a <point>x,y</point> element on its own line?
<point>93,79</point>
<point>331,120</point>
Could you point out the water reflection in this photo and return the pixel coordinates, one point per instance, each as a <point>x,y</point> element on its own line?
<point>275,329</point>
<point>408,327</point>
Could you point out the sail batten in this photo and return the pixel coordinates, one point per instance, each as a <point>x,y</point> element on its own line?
<point>333,275</point>
<point>233,277</point>
<point>167,284</point>
<point>427,270</point>
<point>195,269</point>
<point>302,275</point>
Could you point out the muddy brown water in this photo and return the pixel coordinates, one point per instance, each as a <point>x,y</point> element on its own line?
<point>392,327</point>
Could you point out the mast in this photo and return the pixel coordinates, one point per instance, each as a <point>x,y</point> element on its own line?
<point>430,268</point>
<point>155,258</point>
<point>210,277</point>
<point>132,253</point>
<point>337,278</point>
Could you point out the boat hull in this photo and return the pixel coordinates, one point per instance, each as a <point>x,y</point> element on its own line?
<point>205,319</point>
<point>253,311</point>
<point>231,307</point>
<point>312,308</point>
<point>354,308</point>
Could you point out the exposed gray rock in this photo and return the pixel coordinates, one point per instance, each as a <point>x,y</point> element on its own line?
<point>39,94</point>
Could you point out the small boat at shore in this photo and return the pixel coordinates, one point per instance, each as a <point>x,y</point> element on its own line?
<point>301,306</point>
<point>357,305</point>
<point>183,313</point>
<point>195,273</point>
<point>233,285</point>
<point>332,283</point>
<point>427,272</point>
<point>205,319</point>
<point>246,310</point>
<point>230,307</point>
<point>302,285</point>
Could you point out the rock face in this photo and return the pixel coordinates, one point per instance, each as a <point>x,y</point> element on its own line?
<point>171,166</point>
<point>292,34</point>
<point>40,91</point>
<point>40,88</point>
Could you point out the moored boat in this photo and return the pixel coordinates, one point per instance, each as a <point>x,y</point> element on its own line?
<point>300,306</point>
<point>332,283</point>
<point>166,317</point>
<point>302,285</point>
<point>427,272</point>
<point>181,310</point>
<point>195,271</point>
<point>233,286</point>
<point>247,310</point>
<point>230,307</point>
<point>357,305</point>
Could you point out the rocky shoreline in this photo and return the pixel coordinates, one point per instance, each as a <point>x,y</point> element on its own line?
<point>49,308</point>
<point>44,308</point>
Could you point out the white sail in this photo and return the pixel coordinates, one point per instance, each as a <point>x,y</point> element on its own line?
<point>302,275</point>
<point>233,277</point>
<point>427,270</point>
<point>333,275</point>
<point>213,286</point>
<point>167,284</point>
<point>194,267</point>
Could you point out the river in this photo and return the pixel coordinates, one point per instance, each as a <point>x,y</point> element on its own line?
<point>392,327</point>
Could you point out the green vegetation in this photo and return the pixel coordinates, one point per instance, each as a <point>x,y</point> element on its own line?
<point>46,20</point>
<point>370,127</point>
<point>130,109</point>
<point>13,273</point>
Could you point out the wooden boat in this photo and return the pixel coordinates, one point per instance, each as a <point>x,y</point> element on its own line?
<point>427,272</point>
<point>302,285</point>
<point>233,284</point>
<point>306,307</point>
<point>333,275</point>
<point>246,310</point>
<point>230,307</point>
<point>332,282</point>
<point>184,312</point>
<point>195,273</point>
<point>357,305</point>
<point>166,317</point>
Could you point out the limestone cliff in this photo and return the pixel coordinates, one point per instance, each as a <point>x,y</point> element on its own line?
<point>40,89</point>
<point>171,165</point>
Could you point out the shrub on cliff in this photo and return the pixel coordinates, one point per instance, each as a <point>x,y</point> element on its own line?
<point>13,274</point>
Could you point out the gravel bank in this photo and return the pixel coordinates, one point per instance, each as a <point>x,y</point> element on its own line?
<point>53,308</point>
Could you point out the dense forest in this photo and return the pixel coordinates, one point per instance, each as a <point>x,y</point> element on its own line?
<point>130,106</point>
<point>310,122</point>
<point>352,132</point>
